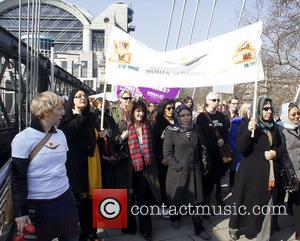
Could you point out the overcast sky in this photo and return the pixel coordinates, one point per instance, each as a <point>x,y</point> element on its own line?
<point>151,18</point>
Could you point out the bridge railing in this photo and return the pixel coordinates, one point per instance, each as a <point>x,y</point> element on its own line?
<point>6,214</point>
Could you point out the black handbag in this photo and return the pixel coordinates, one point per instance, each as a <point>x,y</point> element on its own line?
<point>289,180</point>
<point>225,151</point>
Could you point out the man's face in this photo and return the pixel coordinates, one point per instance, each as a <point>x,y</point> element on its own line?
<point>213,101</point>
<point>234,105</point>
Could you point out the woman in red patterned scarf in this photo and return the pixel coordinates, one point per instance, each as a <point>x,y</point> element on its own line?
<point>145,178</point>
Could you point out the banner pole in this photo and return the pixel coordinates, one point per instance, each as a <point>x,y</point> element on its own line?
<point>103,106</point>
<point>255,93</point>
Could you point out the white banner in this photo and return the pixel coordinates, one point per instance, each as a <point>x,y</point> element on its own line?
<point>227,59</point>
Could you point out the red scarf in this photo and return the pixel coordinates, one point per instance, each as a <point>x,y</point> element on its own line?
<point>141,155</point>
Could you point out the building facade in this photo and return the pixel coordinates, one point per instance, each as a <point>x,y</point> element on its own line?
<point>79,38</point>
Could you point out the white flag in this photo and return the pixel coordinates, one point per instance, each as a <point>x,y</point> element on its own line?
<point>227,59</point>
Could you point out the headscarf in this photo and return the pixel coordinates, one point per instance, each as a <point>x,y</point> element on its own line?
<point>266,128</point>
<point>259,113</point>
<point>284,117</point>
<point>177,123</point>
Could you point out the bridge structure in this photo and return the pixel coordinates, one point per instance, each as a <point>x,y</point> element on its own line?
<point>18,84</point>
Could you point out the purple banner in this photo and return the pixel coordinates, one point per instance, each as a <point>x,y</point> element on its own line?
<point>151,95</point>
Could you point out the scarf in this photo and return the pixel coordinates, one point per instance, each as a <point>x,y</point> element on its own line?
<point>266,127</point>
<point>271,183</point>
<point>141,154</point>
<point>259,119</point>
<point>177,123</point>
<point>284,118</point>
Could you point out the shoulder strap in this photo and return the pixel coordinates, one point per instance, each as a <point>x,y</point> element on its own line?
<point>217,133</point>
<point>39,146</point>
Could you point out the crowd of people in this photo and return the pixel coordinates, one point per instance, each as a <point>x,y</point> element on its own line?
<point>171,153</point>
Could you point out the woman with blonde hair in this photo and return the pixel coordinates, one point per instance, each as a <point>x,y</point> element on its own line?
<point>40,186</point>
<point>244,115</point>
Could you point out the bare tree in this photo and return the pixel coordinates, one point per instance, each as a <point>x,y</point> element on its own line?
<point>280,50</point>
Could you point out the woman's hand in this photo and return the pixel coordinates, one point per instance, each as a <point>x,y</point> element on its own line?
<point>252,125</point>
<point>22,222</point>
<point>164,162</point>
<point>270,155</point>
<point>76,110</point>
<point>102,133</point>
<point>220,142</point>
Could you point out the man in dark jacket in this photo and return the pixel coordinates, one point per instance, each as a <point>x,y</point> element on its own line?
<point>209,122</point>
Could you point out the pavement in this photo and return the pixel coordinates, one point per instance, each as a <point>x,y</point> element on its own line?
<point>216,226</point>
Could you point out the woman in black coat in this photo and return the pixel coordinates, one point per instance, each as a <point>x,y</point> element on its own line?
<point>256,180</point>
<point>79,124</point>
<point>164,118</point>
<point>183,151</point>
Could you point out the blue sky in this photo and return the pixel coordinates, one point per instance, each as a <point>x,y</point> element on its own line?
<point>151,18</point>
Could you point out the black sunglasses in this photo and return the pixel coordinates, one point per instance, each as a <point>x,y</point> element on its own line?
<point>170,108</point>
<point>268,108</point>
<point>214,100</point>
<point>126,98</point>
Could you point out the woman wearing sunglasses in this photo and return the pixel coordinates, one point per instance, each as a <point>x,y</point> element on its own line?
<point>256,180</point>
<point>164,118</point>
<point>289,125</point>
<point>83,164</point>
<point>184,153</point>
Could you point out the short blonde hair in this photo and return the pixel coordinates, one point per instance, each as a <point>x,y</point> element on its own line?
<point>212,95</point>
<point>245,110</point>
<point>124,91</point>
<point>44,102</point>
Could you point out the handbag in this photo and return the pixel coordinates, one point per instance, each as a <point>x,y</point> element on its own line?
<point>225,151</point>
<point>289,180</point>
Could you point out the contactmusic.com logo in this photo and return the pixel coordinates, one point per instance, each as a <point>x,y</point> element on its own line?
<point>110,208</point>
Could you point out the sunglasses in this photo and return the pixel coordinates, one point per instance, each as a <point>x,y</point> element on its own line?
<point>170,108</point>
<point>185,115</point>
<point>295,114</point>
<point>268,108</point>
<point>126,98</point>
<point>215,100</point>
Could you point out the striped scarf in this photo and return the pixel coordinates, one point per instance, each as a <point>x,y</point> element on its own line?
<point>141,155</point>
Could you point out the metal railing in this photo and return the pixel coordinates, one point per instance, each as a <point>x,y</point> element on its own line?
<point>6,214</point>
